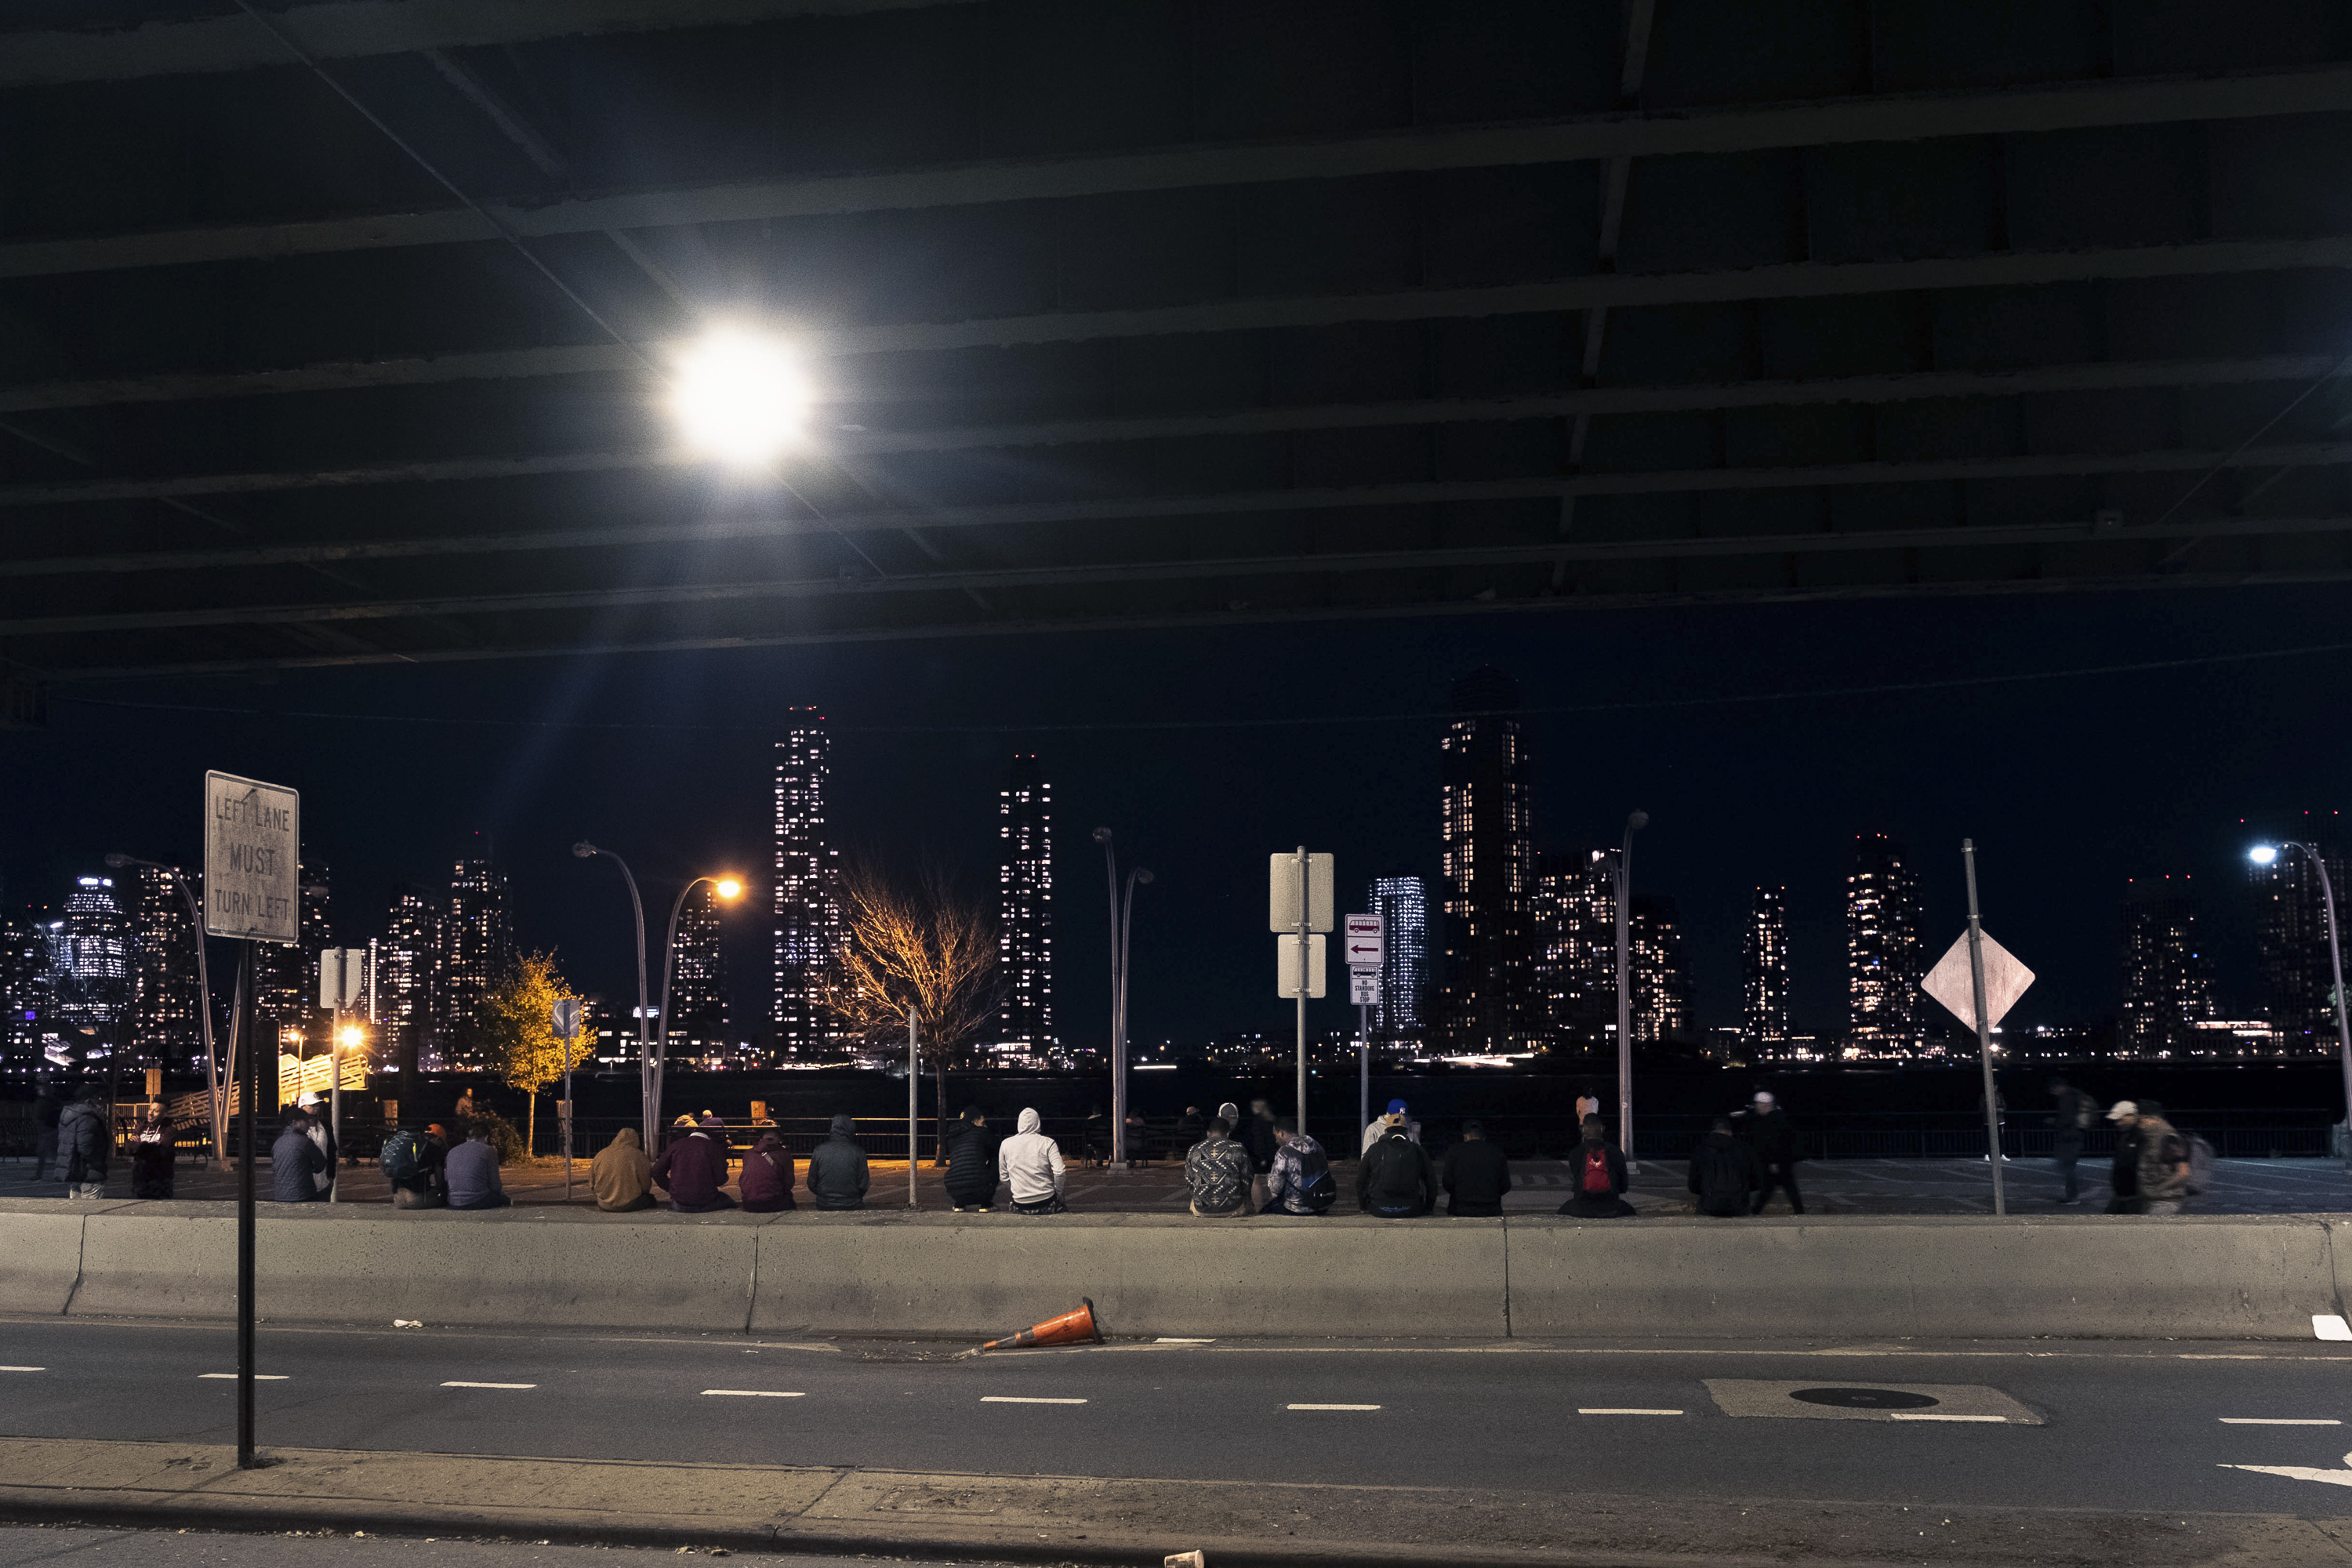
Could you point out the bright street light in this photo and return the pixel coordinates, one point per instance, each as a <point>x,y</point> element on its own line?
<point>728,887</point>
<point>2263,854</point>
<point>350,1037</point>
<point>739,397</point>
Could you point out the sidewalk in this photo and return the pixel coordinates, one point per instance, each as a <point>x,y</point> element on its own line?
<point>1831,1187</point>
<point>1076,1518</point>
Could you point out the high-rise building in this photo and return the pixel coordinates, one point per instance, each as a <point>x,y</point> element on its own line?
<point>90,965</point>
<point>697,987</point>
<point>166,1025</point>
<point>1024,909</point>
<point>1657,988</point>
<point>1882,967</point>
<point>1764,971</point>
<point>24,989</point>
<point>1574,917</point>
<point>807,908</point>
<point>2168,978</point>
<point>477,951</point>
<point>1401,906</point>
<point>286,986</point>
<point>2291,945</point>
<point>1490,1004</point>
<point>405,962</point>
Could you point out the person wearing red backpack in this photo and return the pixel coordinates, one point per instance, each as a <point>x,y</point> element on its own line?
<point>1596,1176</point>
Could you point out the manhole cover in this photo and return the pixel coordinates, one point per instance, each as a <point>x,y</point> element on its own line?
<point>1864,1398</point>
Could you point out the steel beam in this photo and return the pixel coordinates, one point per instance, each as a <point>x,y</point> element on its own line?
<point>1229,503</point>
<point>2017,110</point>
<point>356,28</point>
<point>1112,574</point>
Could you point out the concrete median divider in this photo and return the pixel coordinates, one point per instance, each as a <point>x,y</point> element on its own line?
<point>879,1272</point>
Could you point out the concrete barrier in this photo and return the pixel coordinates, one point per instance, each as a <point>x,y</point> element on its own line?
<point>884,1273</point>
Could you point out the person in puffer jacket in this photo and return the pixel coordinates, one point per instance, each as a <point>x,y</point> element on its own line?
<point>971,1162</point>
<point>84,1142</point>
<point>1031,1164</point>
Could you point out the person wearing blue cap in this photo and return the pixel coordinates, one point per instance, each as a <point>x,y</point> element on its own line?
<point>1378,1126</point>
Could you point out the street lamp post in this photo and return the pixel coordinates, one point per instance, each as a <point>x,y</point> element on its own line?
<point>649,1077</point>
<point>2263,855</point>
<point>1126,946</point>
<point>1117,1006</point>
<point>1634,823</point>
<point>216,1081</point>
<point>728,887</point>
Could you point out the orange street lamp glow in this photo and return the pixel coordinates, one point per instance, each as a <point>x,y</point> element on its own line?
<point>350,1037</point>
<point>729,887</point>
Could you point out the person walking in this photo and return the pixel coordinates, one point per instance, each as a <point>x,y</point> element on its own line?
<point>294,1161</point>
<point>621,1176</point>
<point>1257,1135</point>
<point>1596,1171</point>
<point>1474,1174</point>
<point>1725,1172</point>
<point>1217,1174</point>
<point>693,1169</point>
<point>412,1158</point>
<point>2123,1175</point>
<point>473,1173</point>
<point>971,1162</point>
<point>767,1180</point>
<point>837,1175</point>
<point>152,1157</point>
<point>2075,1115</point>
<point>1768,1132</point>
<point>1396,1179</point>
<point>1300,1183</point>
<point>2161,1167</point>
<point>86,1145</point>
<point>48,1166</point>
<point>321,1133</point>
<point>1031,1164</point>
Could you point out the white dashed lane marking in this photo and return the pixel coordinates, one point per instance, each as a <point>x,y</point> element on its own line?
<point>1931,1415</point>
<point>257,1377</point>
<point>24,1369</point>
<point>1330,1407</point>
<point>750,1393</point>
<point>489,1385</point>
<point>1618,1410</point>
<point>2276,1421</point>
<point>1018,1399</point>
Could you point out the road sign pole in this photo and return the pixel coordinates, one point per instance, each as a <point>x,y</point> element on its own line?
<point>335,1105</point>
<point>914,1081</point>
<point>1984,1029</point>
<point>251,1097</point>
<point>1306,943</point>
<point>1363,1066</point>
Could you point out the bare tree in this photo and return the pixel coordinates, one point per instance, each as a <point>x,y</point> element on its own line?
<point>919,945</point>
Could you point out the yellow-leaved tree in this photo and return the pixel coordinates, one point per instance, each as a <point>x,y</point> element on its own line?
<point>517,1037</point>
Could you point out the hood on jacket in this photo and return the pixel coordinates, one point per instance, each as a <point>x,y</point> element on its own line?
<point>626,1138</point>
<point>769,1143</point>
<point>1230,1113</point>
<point>840,1125</point>
<point>1030,1120</point>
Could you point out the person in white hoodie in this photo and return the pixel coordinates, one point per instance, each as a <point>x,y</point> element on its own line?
<point>1031,1164</point>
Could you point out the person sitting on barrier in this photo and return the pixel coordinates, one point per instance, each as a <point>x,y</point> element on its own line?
<point>1300,1183</point>
<point>1031,1164</point>
<point>1725,1172</point>
<point>837,1177</point>
<point>152,1157</point>
<point>1475,1176</point>
<point>412,1160</point>
<point>1396,1179</point>
<point>322,1132</point>
<point>621,1176</point>
<point>693,1169</point>
<point>472,1170</point>
<point>294,1161</point>
<point>1217,1174</point>
<point>971,1162</point>
<point>1596,1176</point>
<point>767,1180</point>
<point>47,1164</point>
<point>1765,1128</point>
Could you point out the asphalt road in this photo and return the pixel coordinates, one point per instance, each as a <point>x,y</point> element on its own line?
<point>2077,1425</point>
<point>75,1546</point>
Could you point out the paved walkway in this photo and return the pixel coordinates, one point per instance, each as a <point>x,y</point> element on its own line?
<point>1831,1186</point>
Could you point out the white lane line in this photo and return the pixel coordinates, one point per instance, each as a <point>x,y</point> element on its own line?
<point>750,1393</point>
<point>1021,1399</point>
<point>2275,1421</point>
<point>489,1385</point>
<point>257,1377</point>
<point>24,1369</point>
<point>1617,1410</point>
<point>1330,1407</point>
<point>1166,1339</point>
<point>1932,1415</point>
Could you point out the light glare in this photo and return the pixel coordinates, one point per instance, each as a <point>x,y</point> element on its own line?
<point>729,887</point>
<point>2263,854</point>
<point>739,397</point>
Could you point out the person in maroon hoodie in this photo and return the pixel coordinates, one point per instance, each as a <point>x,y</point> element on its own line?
<point>693,1169</point>
<point>767,1183</point>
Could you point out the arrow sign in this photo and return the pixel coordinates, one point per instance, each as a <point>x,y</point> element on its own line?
<point>1361,941</point>
<point>2005,981</point>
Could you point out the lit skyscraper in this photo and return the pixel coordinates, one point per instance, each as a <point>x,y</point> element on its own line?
<point>698,989</point>
<point>2168,978</point>
<point>1489,870</point>
<point>1024,909</point>
<point>90,963</point>
<point>406,960</point>
<point>1401,906</point>
<point>287,974</point>
<point>1575,922</point>
<point>477,951</point>
<point>1658,991</point>
<point>808,912</point>
<point>24,989</point>
<point>1764,971</point>
<point>164,1024</point>
<point>1881,947</point>
<point>2291,944</point>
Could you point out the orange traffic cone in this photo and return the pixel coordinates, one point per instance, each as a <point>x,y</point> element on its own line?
<point>1069,1328</point>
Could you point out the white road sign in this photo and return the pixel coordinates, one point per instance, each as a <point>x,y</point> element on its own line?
<point>1285,966</point>
<point>1359,941</point>
<point>1363,987</point>
<point>253,847</point>
<point>342,977</point>
<point>1282,890</point>
<point>567,1016</point>
<point>2005,981</point>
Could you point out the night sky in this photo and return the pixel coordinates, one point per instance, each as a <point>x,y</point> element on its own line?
<point>1192,746</point>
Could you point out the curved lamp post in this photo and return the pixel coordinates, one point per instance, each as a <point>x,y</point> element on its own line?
<point>1634,823</point>
<point>727,888</point>
<point>648,1075</point>
<point>1119,918</point>
<point>2266,854</point>
<point>216,1081</point>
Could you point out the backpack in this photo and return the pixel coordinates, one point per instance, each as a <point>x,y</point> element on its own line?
<point>2200,1163</point>
<point>1316,1190</point>
<point>1595,1182</point>
<point>1397,1179</point>
<point>399,1158</point>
